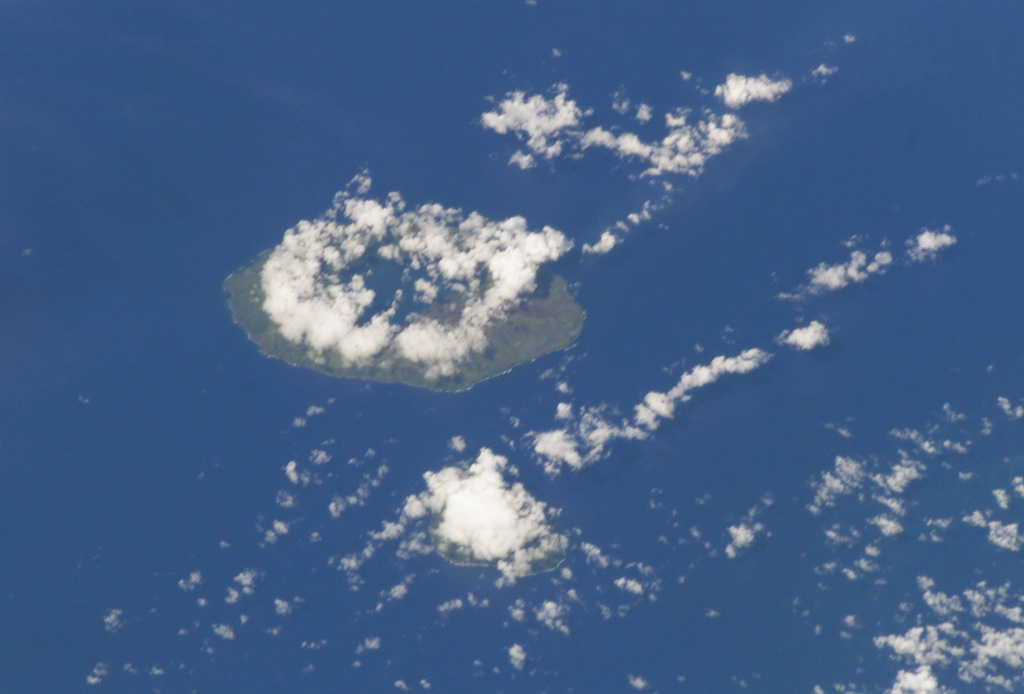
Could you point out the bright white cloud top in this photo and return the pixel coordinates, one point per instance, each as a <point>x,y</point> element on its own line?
<point>812,335</point>
<point>380,289</point>
<point>927,244</point>
<point>740,90</point>
<point>544,123</point>
<point>479,518</point>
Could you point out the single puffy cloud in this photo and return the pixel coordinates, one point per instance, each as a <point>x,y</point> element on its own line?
<point>543,123</point>
<point>927,244</point>
<point>516,656</point>
<point>607,242</point>
<point>741,537</point>
<point>637,682</point>
<point>823,72</point>
<point>321,287</point>
<point>812,335</point>
<point>478,517</point>
<point>739,90</point>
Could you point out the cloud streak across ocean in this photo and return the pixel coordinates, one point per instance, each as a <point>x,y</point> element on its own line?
<point>552,126</point>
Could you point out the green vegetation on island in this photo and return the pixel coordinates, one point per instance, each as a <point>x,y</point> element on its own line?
<point>546,321</point>
<point>537,559</point>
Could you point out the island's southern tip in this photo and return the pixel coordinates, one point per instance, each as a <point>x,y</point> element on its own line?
<point>427,296</point>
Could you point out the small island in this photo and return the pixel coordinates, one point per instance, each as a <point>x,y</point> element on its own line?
<point>427,297</point>
<point>480,517</point>
<point>547,321</point>
<point>540,555</point>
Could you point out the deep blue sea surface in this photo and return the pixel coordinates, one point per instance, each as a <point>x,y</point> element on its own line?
<point>148,150</point>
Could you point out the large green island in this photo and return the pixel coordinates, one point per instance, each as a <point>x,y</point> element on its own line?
<point>428,296</point>
<point>540,555</point>
<point>547,320</point>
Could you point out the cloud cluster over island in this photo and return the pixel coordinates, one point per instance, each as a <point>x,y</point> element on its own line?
<point>482,518</point>
<point>319,282</point>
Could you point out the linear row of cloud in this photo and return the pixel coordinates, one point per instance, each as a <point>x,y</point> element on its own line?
<point>584,436</point>
<point>552,126</point>
<point>926,245</point>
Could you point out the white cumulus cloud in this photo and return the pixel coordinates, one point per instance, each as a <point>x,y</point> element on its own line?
<point>812,335</point>
<point>517,656</point>
<point>927,244</point>
<point>477,511</point>
<point>739,90</point>
<point>543,123</point>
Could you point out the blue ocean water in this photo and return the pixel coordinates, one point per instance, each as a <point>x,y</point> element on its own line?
<point>148,151</point>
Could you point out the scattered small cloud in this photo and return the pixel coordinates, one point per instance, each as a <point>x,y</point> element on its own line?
<point>191,582</point>
<point>552,615</point>
<point>1010,410</point>
<point>997,178</point>
<point>370,643</point>
<point>823,72</point>
<point>113,620</point>
<point>225,631</point>
<point>637,682</point>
